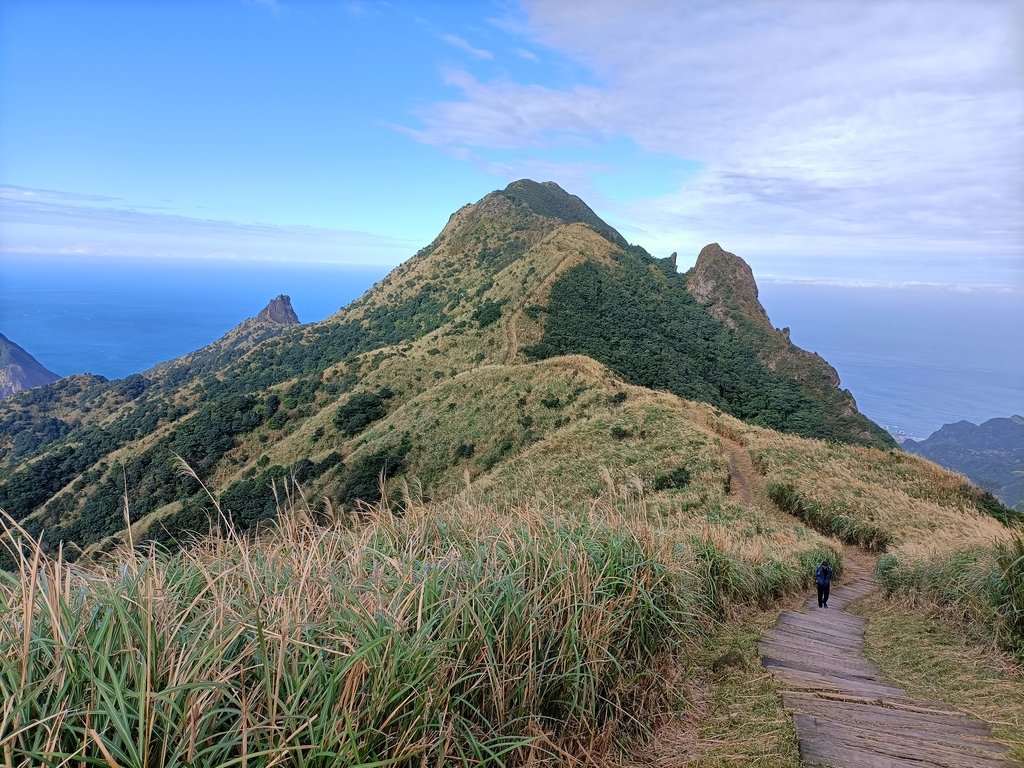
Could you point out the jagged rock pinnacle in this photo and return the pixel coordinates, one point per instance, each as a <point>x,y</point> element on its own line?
<point>724,283</point>
<point>279,311</point>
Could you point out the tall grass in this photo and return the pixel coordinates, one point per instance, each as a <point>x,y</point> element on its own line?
<point>466,634</point>
<point>421,641</point>
<point>1008,593</point>
<point>830,519</point>
<point>981,586</point>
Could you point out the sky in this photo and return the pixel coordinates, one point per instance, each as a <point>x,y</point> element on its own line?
<point>873,142</point>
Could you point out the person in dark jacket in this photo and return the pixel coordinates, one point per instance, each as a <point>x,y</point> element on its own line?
<point>823,578</point>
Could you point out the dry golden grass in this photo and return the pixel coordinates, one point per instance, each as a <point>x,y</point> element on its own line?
<point>936,660</point>
<point>468,630</point>
<point>918,506</point>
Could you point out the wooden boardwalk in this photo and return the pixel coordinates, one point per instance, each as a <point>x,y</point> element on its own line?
<point>846,715</point>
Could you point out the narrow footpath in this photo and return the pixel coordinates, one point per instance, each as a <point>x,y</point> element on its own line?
<point>846,715</point>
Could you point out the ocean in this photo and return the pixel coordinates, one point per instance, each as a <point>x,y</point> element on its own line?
<point>119,317</point>
<point>914,358</point>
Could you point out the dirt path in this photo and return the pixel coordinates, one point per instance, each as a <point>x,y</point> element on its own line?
<point>740,469</point>
<point>512,337</point>
<point>846,715</point>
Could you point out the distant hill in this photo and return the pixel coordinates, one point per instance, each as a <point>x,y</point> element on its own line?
<point>19,370</point>
<point>991,454</point>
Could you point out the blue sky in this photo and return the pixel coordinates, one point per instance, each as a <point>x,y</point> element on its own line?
<point>852,142</point>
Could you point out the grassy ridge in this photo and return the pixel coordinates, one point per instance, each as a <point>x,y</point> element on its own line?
<point>461,634</point>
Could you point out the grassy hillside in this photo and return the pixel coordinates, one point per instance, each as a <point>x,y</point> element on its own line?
<point>434,355</point>
<point>637,316</point>
<point>545,610</point>
<point>943,540</point>
<point>466,632</point>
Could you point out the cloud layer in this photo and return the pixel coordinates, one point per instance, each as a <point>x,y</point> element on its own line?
<point>47,222</point>
<point>821,130</point>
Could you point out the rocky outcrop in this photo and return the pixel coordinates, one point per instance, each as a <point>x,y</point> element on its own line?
<point>724,283</point>
<point>279,311</point>
<point>19,370</point>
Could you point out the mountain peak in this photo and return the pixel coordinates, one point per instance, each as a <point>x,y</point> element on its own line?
<point>724,283</point>
<point>548,199</point>
<point>279,311</point>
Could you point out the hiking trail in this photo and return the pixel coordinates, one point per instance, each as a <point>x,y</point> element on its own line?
<point>845,713</point>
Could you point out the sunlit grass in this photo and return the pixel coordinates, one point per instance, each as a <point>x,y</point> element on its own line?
<point>946,543</point>
<point>466,633</point>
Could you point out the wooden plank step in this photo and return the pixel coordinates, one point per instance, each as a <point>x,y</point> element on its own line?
<point>817,665</point>
<point>821,632</point>
<point>785,637</point>
<point>789,652</point>
<point>910,730</point>
<point>827,754</point>
<point>825,618</point>
<point>881,742</point>
<point>884,711</point>
<point>810,681</point>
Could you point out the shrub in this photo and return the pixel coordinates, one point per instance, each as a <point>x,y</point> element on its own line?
<point>363,480</point>
<point>990,505</point>
<point>500,451</point>
<point>360,411</point>
<point>487,313</point>
<point>676,478</point>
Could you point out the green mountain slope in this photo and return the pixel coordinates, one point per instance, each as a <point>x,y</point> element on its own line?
<point>425,378</point>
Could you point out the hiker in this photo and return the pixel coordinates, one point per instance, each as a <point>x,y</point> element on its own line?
<point>823,578</point>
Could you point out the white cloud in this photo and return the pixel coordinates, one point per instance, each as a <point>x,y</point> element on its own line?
<point>466,47</point>
<point>866,126</point>
<point>39,221</point>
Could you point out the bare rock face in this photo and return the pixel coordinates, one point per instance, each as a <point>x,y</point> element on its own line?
<point>279,311</point>
<point>724,283</point>
<point>19,370</point>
